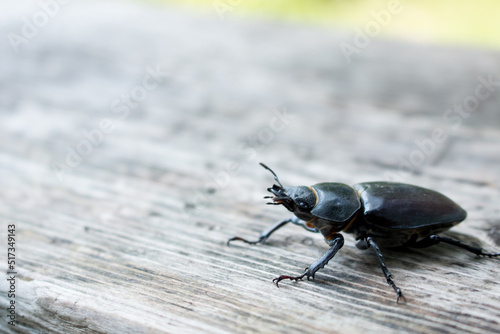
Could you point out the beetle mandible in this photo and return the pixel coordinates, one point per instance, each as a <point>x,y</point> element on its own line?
<point>385,214</point>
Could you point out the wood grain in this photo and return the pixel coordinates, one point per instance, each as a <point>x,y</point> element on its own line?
<point>133,239</point>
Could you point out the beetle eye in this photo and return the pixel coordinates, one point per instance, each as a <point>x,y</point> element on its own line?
<point>301,205</point>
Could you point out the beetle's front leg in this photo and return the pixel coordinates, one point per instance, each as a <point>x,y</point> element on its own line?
<point>386,272</point>
<point>336,243</point>
<point>296,221</point>
<point>265,234</point>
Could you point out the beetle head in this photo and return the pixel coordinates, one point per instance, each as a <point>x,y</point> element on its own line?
<point>299,200</point>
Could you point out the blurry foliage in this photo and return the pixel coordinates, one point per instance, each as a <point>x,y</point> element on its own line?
<point>472,22</point>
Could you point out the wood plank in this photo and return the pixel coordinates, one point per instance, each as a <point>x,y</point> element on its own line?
<point>133,238</point>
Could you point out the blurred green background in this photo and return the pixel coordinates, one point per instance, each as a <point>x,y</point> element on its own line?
<point>459,22</point>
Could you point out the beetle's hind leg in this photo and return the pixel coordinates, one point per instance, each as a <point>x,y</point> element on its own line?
<point>267,233</point>
<point>386,272</point>
<point>336,243</point>
<point>435,239</point>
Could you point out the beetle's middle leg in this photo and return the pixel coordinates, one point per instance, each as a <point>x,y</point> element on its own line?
<point>336,243</point>
<point>267,233</point>
<point>386,272</point>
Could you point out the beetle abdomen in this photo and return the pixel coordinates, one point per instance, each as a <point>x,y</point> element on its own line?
<point>405,206</point>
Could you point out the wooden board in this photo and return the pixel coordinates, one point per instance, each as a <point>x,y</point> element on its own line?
<point>171,112</point>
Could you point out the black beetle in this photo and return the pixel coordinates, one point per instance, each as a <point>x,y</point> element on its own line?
<point>388,214</point>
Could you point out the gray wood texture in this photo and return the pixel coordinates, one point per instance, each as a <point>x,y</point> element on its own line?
<point>130,138</point>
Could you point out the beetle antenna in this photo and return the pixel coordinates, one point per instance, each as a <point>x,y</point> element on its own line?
<point>275,176</point>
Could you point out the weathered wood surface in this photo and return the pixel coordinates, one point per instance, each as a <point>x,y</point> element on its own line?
<point>132,238</point>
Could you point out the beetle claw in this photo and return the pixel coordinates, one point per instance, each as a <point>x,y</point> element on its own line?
<point>490,255</point>
<point>292,278</point>
<point>400,297</point>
